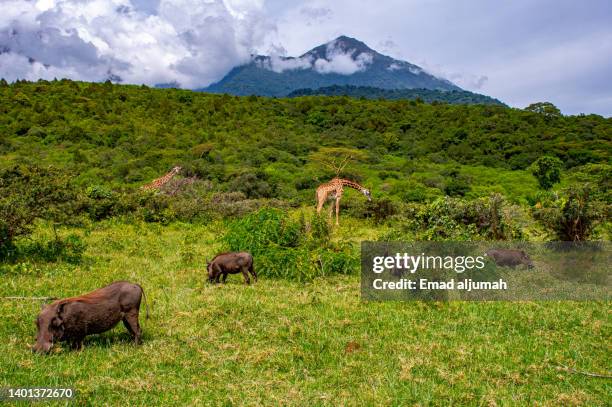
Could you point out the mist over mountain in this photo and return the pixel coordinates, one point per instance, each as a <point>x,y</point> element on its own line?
<point>343,61</point>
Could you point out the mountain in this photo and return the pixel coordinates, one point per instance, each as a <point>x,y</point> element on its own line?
<point>343,61</point>
<point>454,97</point>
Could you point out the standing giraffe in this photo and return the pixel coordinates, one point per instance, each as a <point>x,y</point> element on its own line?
<point>159,182</point>
<point>333,190</point>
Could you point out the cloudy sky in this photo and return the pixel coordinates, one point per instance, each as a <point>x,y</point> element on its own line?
<point>520,51</point>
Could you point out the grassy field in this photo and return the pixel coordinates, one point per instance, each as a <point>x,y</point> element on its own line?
<point>280,342</point>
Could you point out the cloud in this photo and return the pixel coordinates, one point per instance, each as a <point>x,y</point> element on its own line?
<point>387,46</point>
<point>280,64</point>
<point>465,80</point>
<point>559,52</point>
<point>336,60</point>
<point>192,43</point>
<point>341,61</point>
<point>394,67</point>
<point>315,15</point>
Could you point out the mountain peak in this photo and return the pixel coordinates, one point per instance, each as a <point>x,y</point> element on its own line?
<point>342,44</point>
<point>341,61</point>
<point>346,42</point>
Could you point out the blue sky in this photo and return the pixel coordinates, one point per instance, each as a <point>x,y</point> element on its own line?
<point>518,51</point>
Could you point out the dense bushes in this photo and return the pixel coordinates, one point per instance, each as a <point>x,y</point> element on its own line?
<point>456,219</point>
<point>31,193</point>
<point>116,134</point>
<point>573,215</point>
<point>193,201</point>
<point>69,249</point>
<point>379,210</point>
<point>284,247</point>
<point>547,171</point>
<point>28,193</point>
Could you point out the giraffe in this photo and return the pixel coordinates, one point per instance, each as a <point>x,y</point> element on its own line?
<point>159,182</point>
<point>333,190</point>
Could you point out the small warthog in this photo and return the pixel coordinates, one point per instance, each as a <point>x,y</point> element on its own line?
<point>231,263</point>
<point>508,257</point>
<point>71,319</point>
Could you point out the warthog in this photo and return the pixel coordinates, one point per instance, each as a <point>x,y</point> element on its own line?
<point>512,258</point>
<point>71,319</point>
<point>231,263</point>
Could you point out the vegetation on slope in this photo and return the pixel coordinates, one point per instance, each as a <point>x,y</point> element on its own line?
<point>249,152</point>
<point>425,95</point>
<point>127,135</point>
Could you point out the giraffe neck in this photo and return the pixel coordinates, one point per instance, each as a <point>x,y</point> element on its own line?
<point>166,178</point>
<point>160,181</point>
<point>351,184</point>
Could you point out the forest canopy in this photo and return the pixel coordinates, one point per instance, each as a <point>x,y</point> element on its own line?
<point>123,136</point>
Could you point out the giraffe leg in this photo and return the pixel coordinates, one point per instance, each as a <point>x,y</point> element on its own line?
<point>320,202</point>
<point>337,211</point>
<point>320,205</point>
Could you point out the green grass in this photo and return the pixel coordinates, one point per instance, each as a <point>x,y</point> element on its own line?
<point>280,342</point>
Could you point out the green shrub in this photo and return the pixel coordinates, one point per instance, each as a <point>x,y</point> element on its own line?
<point>458,219</point>
<point>101,203</point>
<point>457,185</point>
<point>263,229</point>
<point>414,192</point>
<point>28,193</point>
<point>599,176</point>
<point>547,170</point>
<point>288,248</point>
<point>69,249</point>
<point>573,215</point>
<point>155,208</point>
<point>231,205</point>
<point>252,185</point>
<point>378,209</point>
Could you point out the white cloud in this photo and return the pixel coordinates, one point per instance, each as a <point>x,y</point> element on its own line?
<point>560,56</point>
<point>336,60</point>
<point>415,70</point>
<point>560,52</point>
<point>394,67</point>
<point>465,80</point>
<point>315,15</point>
<point>189,42</point>
<point>280,64</point>
<point>341,61</point>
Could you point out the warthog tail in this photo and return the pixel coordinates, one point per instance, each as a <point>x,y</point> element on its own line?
<point>146,303</point>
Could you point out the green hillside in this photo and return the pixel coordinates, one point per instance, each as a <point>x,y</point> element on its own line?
<point>114,134</point>
<point>425,95</point>
<point>120,137</point>
<point>117,138</point>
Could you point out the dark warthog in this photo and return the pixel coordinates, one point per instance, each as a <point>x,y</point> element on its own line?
<point>71,319</point>
<point>512,258</point>
<point>231,263</point>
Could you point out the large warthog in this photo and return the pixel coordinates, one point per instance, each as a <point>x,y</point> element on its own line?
<point>71,319</point>
<point>231,263</point>
<point>511,258</point>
